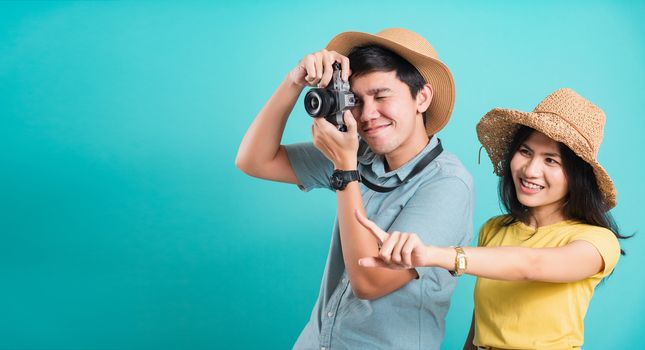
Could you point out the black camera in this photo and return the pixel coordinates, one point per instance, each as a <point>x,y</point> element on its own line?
<point>332,101</point>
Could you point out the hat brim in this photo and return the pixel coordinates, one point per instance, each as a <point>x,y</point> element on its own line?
<point>433,71</point>
<point>498,127</point>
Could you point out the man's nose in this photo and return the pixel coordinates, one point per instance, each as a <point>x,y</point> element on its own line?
<point>368,111</point>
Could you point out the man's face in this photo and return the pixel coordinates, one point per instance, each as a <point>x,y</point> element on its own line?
<point>386,113</point>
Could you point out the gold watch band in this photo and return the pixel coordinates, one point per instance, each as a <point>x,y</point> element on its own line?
<point>461,262</point>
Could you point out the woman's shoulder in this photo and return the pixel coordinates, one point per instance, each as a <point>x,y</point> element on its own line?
<point>491,227</point>
<point>579,230</point>
<point>498,221</point>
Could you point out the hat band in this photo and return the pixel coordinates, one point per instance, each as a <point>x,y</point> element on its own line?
<point>570,124</point>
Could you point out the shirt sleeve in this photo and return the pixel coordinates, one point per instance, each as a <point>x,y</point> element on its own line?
<point>441,213</point>
<point>311,167</point>
<point>605,242</point>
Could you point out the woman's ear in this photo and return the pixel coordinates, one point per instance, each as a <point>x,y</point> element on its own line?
<point>424,97</point>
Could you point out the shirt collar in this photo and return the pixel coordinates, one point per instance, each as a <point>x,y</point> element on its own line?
<point>376,162</point>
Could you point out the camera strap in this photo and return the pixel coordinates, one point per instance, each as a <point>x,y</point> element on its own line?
<point>436,151</point>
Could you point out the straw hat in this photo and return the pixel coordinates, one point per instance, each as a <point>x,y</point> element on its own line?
<point>564,116</point>
<point>418,51</point>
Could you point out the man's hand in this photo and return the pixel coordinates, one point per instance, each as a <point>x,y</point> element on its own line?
<point>339,147</point>
<point>398,250</point>
<point>316,69</point>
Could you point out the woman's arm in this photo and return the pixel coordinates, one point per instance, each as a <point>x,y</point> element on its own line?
<point>572,262</point>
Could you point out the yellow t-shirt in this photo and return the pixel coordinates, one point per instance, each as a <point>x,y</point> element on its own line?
<point>538,315</point>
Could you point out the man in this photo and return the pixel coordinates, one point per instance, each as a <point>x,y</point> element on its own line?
<point>399,85</point>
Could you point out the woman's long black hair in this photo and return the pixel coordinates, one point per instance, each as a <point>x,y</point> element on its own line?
<point>584,201</point>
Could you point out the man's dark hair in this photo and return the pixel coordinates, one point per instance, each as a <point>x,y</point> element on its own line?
<point>373,58</point>
<point>584,201</point>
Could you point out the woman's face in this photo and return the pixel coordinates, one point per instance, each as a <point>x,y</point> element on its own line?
<point>538,175</point>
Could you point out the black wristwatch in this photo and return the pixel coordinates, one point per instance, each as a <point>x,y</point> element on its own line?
<point>340,178</point>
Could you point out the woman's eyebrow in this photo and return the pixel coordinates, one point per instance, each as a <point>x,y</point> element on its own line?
<point>548,154</point>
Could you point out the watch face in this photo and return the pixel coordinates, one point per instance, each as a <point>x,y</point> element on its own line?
<point>336,181</point>
<point>339,178</point>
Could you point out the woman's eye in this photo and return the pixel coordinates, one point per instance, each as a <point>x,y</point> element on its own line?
<point>524,151</point>
<point>551,161</point>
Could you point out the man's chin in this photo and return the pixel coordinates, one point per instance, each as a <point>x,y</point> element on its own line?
<point>379,148</point>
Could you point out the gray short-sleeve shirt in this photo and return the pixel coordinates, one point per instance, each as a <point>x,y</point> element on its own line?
<point>437,204</point>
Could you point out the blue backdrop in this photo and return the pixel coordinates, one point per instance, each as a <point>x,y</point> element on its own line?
<point>124,223</point>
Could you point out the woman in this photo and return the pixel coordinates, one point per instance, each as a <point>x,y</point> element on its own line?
<point>539,264</point>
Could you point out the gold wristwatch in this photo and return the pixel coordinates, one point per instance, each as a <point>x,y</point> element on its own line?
<point>461,263</point>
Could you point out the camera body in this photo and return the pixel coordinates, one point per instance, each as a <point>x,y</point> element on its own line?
<point>332,101</point>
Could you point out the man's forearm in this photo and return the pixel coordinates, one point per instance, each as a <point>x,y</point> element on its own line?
<point>358,242</point>
<point>262,140</point>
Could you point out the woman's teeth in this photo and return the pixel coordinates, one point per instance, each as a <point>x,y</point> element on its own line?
<point>531,185</point>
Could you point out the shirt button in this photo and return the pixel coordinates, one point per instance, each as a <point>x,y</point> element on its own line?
<point>344,280</point>
<point>322,348</point>
<point>330,314</point>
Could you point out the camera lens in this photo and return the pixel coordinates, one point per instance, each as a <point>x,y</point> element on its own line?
<point>319,102</point>
<point>314,103</point>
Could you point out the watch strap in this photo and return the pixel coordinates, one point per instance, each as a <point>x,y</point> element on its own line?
<point>341,178</point>
<point>461,262</point>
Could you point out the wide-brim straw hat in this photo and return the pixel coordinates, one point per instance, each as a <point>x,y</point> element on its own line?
<point>564,116</point>
<point>418,51</point>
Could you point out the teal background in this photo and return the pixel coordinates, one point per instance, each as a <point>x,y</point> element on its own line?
<point>124,223</point>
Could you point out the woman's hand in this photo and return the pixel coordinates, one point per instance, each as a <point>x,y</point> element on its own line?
<point>398,250</point>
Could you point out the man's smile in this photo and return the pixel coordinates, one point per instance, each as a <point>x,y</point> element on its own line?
<point>375,129</point>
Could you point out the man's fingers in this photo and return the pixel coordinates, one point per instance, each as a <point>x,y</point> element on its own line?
<point>368,224</point>
<point>325,126</point>
<point>328,70</point>
<point>344,64</point>
<point>310,68</point>
<point>318,62</point>
<point>350,121</point>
